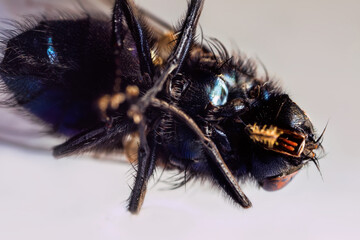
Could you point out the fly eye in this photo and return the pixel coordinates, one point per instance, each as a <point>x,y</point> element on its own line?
<point>277,183</point>
<point>218,93</point>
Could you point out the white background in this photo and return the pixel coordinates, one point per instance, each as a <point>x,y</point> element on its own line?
<point>312,47</point>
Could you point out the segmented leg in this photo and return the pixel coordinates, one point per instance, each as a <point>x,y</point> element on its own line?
<point>124,8</point>
<point>176,58</point>
<point>175,61</point>
<point>231,185</point>
<point>147,155</point>
<point>146,165</point>
<point>179,53</point>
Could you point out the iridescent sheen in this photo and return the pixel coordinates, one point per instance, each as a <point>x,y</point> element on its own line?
<point>51,51</point>
<point>266,95</point>
<point>218,93</point>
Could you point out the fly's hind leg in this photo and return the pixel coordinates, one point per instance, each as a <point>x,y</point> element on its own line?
<point>147,155</point>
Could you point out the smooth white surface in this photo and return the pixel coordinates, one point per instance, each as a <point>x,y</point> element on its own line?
<point>312,47</point>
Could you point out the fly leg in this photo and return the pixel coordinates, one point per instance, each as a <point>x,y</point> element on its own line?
<point>146,156</point>
<point>146,153</point>
<point>224,176</point>
<point>178,55</point>
<point>226,179</point>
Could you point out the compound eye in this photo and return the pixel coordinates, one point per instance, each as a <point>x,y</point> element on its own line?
<point>218,93</point>
<point>277,183</point>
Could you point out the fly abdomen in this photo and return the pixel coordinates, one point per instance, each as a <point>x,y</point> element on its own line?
<point>58,69</point>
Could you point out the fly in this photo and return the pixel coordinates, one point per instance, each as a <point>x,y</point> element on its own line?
<point>135,83</point>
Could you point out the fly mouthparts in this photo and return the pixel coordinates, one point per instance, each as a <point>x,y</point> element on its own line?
<point>290,143</point>
<point>279,140</point>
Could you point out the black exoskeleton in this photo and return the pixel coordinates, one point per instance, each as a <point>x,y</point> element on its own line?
<point>191,105</point>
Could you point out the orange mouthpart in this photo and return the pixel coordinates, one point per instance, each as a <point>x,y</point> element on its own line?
<point>290,143</point>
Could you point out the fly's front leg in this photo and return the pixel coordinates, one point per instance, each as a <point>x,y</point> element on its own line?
<point>179,53</point>
<point>221,171</point>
